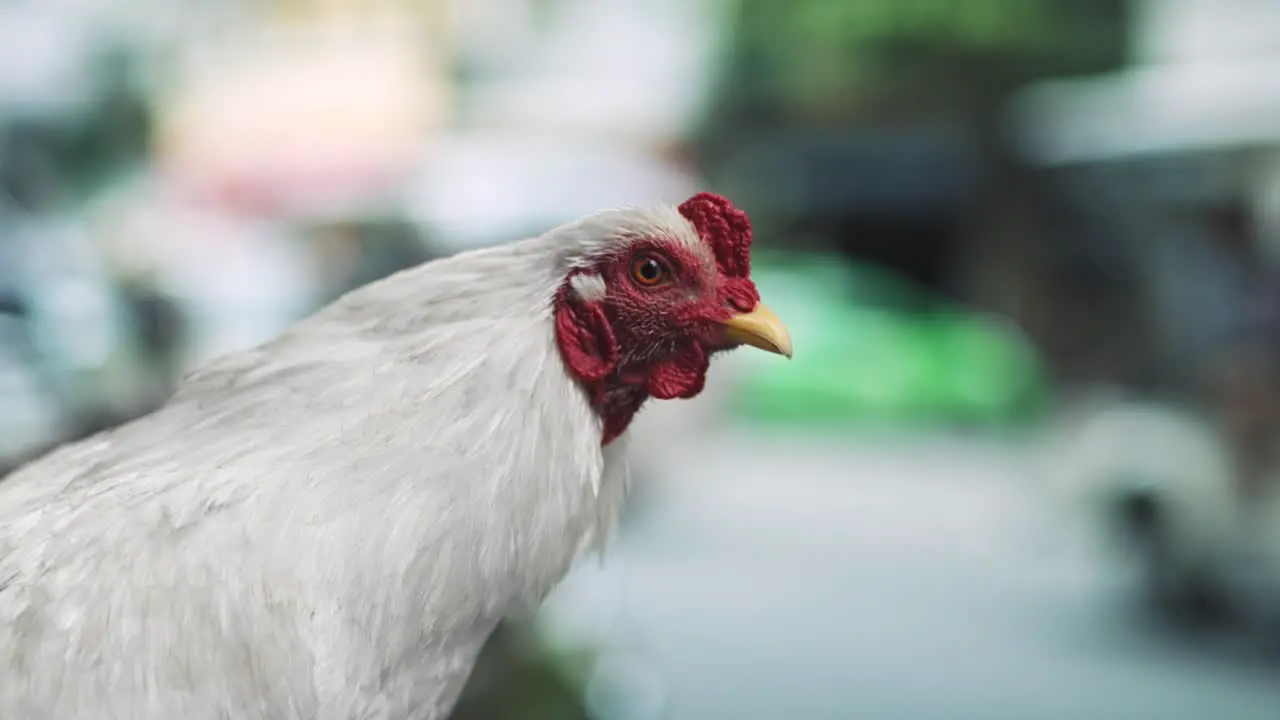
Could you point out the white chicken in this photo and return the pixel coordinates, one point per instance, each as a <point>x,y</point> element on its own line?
<point>331,525</point>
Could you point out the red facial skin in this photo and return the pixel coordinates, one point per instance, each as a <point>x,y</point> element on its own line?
<point>640,340</point>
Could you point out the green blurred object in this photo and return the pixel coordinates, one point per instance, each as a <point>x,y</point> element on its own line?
<point>517,678</point>
<point>872,349</point>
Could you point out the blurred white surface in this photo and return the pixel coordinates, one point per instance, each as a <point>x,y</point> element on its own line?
<point>1190,30</point>
<point>641,69</point>
<point>1206,79</point>
<point>481,188</point>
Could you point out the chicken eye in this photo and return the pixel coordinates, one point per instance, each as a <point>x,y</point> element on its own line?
<point>648,271</point>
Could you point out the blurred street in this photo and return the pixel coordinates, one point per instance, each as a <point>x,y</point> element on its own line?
<point>901,579</point>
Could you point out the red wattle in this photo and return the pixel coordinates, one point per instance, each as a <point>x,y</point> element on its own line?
<point>683,376</point>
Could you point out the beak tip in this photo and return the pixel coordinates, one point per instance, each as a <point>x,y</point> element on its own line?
<point>761,329</point>
<point>782,346</point>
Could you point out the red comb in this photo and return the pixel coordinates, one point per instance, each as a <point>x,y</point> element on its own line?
<point>725,228</point>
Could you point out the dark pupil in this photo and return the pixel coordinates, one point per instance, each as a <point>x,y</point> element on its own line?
<point>649,270</point>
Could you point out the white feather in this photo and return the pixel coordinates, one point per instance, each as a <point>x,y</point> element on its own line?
<point>589,286</point>
<point>328,526</point>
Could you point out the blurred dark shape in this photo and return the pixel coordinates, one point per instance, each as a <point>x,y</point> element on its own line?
<point>892,197</point>
<point>1244,397</point>
<point>27,173</point>
<point>161,326</point>
<point>515,680</point>
<point>357,251</point>
<point>48,158</point>
<point>1140,515</point>
<point>12,304</point>
<point>1079,290</point>
<point>1193,598</point>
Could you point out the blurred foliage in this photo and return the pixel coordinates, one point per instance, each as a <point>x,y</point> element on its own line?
<point>826,52</point>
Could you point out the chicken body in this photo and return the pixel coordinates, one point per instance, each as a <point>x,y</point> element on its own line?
<point>328,526</point>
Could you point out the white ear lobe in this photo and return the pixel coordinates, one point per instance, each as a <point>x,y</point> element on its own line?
<point>588,286</point>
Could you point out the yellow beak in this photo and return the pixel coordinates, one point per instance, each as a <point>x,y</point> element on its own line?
<point>759,328</point>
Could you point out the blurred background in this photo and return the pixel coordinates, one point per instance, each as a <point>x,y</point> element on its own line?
<point>1024,464</point>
